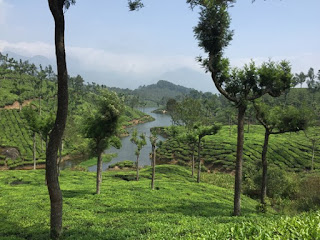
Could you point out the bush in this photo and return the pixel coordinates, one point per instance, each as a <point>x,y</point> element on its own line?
<point>280,183</point>
<point>124,164</point>
<point>309,194</point>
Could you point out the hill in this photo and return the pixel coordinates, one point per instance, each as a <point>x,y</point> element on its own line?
<point>179,209</point>
<point>290,151</point>
<point>155,94</point>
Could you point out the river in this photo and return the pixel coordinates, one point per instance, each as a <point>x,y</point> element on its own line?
<point>127,151</point>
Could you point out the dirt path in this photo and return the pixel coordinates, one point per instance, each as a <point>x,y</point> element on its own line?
<point>16,104</point>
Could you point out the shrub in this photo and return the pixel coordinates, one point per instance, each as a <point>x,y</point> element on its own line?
<point>309,194</point>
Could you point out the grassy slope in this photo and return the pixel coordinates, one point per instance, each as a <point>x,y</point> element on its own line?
<point>290,150</point>
<point>179,209</point>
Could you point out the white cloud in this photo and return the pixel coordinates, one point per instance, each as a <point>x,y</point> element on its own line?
<point>100,60</point>
<point>4,8</point>
<point>136,63</point>
<point>151,66</point>
<point>28,49</point>
<point>298,63</point>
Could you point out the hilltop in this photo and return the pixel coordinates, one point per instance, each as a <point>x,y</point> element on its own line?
<point>155,94</point>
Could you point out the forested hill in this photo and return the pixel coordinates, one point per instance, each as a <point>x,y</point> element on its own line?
<point>158,93</point>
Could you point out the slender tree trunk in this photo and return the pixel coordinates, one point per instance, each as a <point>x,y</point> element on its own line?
<point>99,172</point>
<point>264,167</point>
<point>229,126</point>
<point>56,8</point>
<point>40,103</point>
<point>153,166</point>
<point>312,160</point>
<point>192,174</point>
<point>137,178</point>
<point>34,151</point>
<point>199,163</point>
<point>239,160</point>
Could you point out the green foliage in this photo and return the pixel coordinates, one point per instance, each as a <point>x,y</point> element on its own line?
<point>309,193</point>
<point>123,164</point>
<point>102,124</point>
<point>281,183</point>
<point>140,141</point>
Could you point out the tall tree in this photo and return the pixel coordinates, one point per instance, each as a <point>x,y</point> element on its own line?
<point>56,8</point>
<point>191,139</point>
<point>313,83</point>
<point>299,78</point>
<point>41,75</point>
<point>102,125</point>
<point>153,140</point>
<point>313,135</point>
<point>277,120</point>
<point>140,142</point>
<point>32,119</point>
<point>237,85</point>
<point>201,132</point>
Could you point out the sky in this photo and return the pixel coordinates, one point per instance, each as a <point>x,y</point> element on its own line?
<point>107,44</point>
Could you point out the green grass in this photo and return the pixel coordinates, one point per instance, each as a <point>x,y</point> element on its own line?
<point>179,209</point>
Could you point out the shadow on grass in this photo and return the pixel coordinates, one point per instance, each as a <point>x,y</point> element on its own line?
<point>12,230</point>
<point>76,193</point>
<point>190,208</point>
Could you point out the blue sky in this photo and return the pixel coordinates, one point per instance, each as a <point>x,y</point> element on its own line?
<point>108,44</point>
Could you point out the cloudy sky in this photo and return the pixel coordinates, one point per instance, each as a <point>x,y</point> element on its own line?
<point>109,45</point>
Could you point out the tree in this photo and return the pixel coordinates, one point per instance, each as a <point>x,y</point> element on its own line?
<point>57,11</point>
<point>191,139</point>
<point>140,142</point>
<point>299,79</point>
<point>41,76</point>
<point>102,126</point>
<point>237,85</point>
<point>32,119</point>
<point>277,120</point>
<point>153,140</point>
<point>200,132</point>
<point>313,84</point>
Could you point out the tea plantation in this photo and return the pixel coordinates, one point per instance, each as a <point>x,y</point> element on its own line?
<point>179,208</point>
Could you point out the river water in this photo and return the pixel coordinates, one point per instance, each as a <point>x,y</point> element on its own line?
<point>127,151</point>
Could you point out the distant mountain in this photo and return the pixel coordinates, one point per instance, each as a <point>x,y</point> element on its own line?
<point>37,60</point>
<point>158,93</point>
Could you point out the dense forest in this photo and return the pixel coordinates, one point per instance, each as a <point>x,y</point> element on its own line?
<point>242,163</point>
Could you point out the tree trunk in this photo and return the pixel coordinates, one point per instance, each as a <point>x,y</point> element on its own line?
<point>60,158</point>
<point>238,177</point>
<point>264,167</point>
<point>229,126</point>
<point>153,166</point>
<point>137,168</point>
<point>199,163</point>
<point>40,104</point>
<point>34,151</point>
<point>56,8</point>
<point>99,172</point>
<point>192,174</point>
<point>312,160</point>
